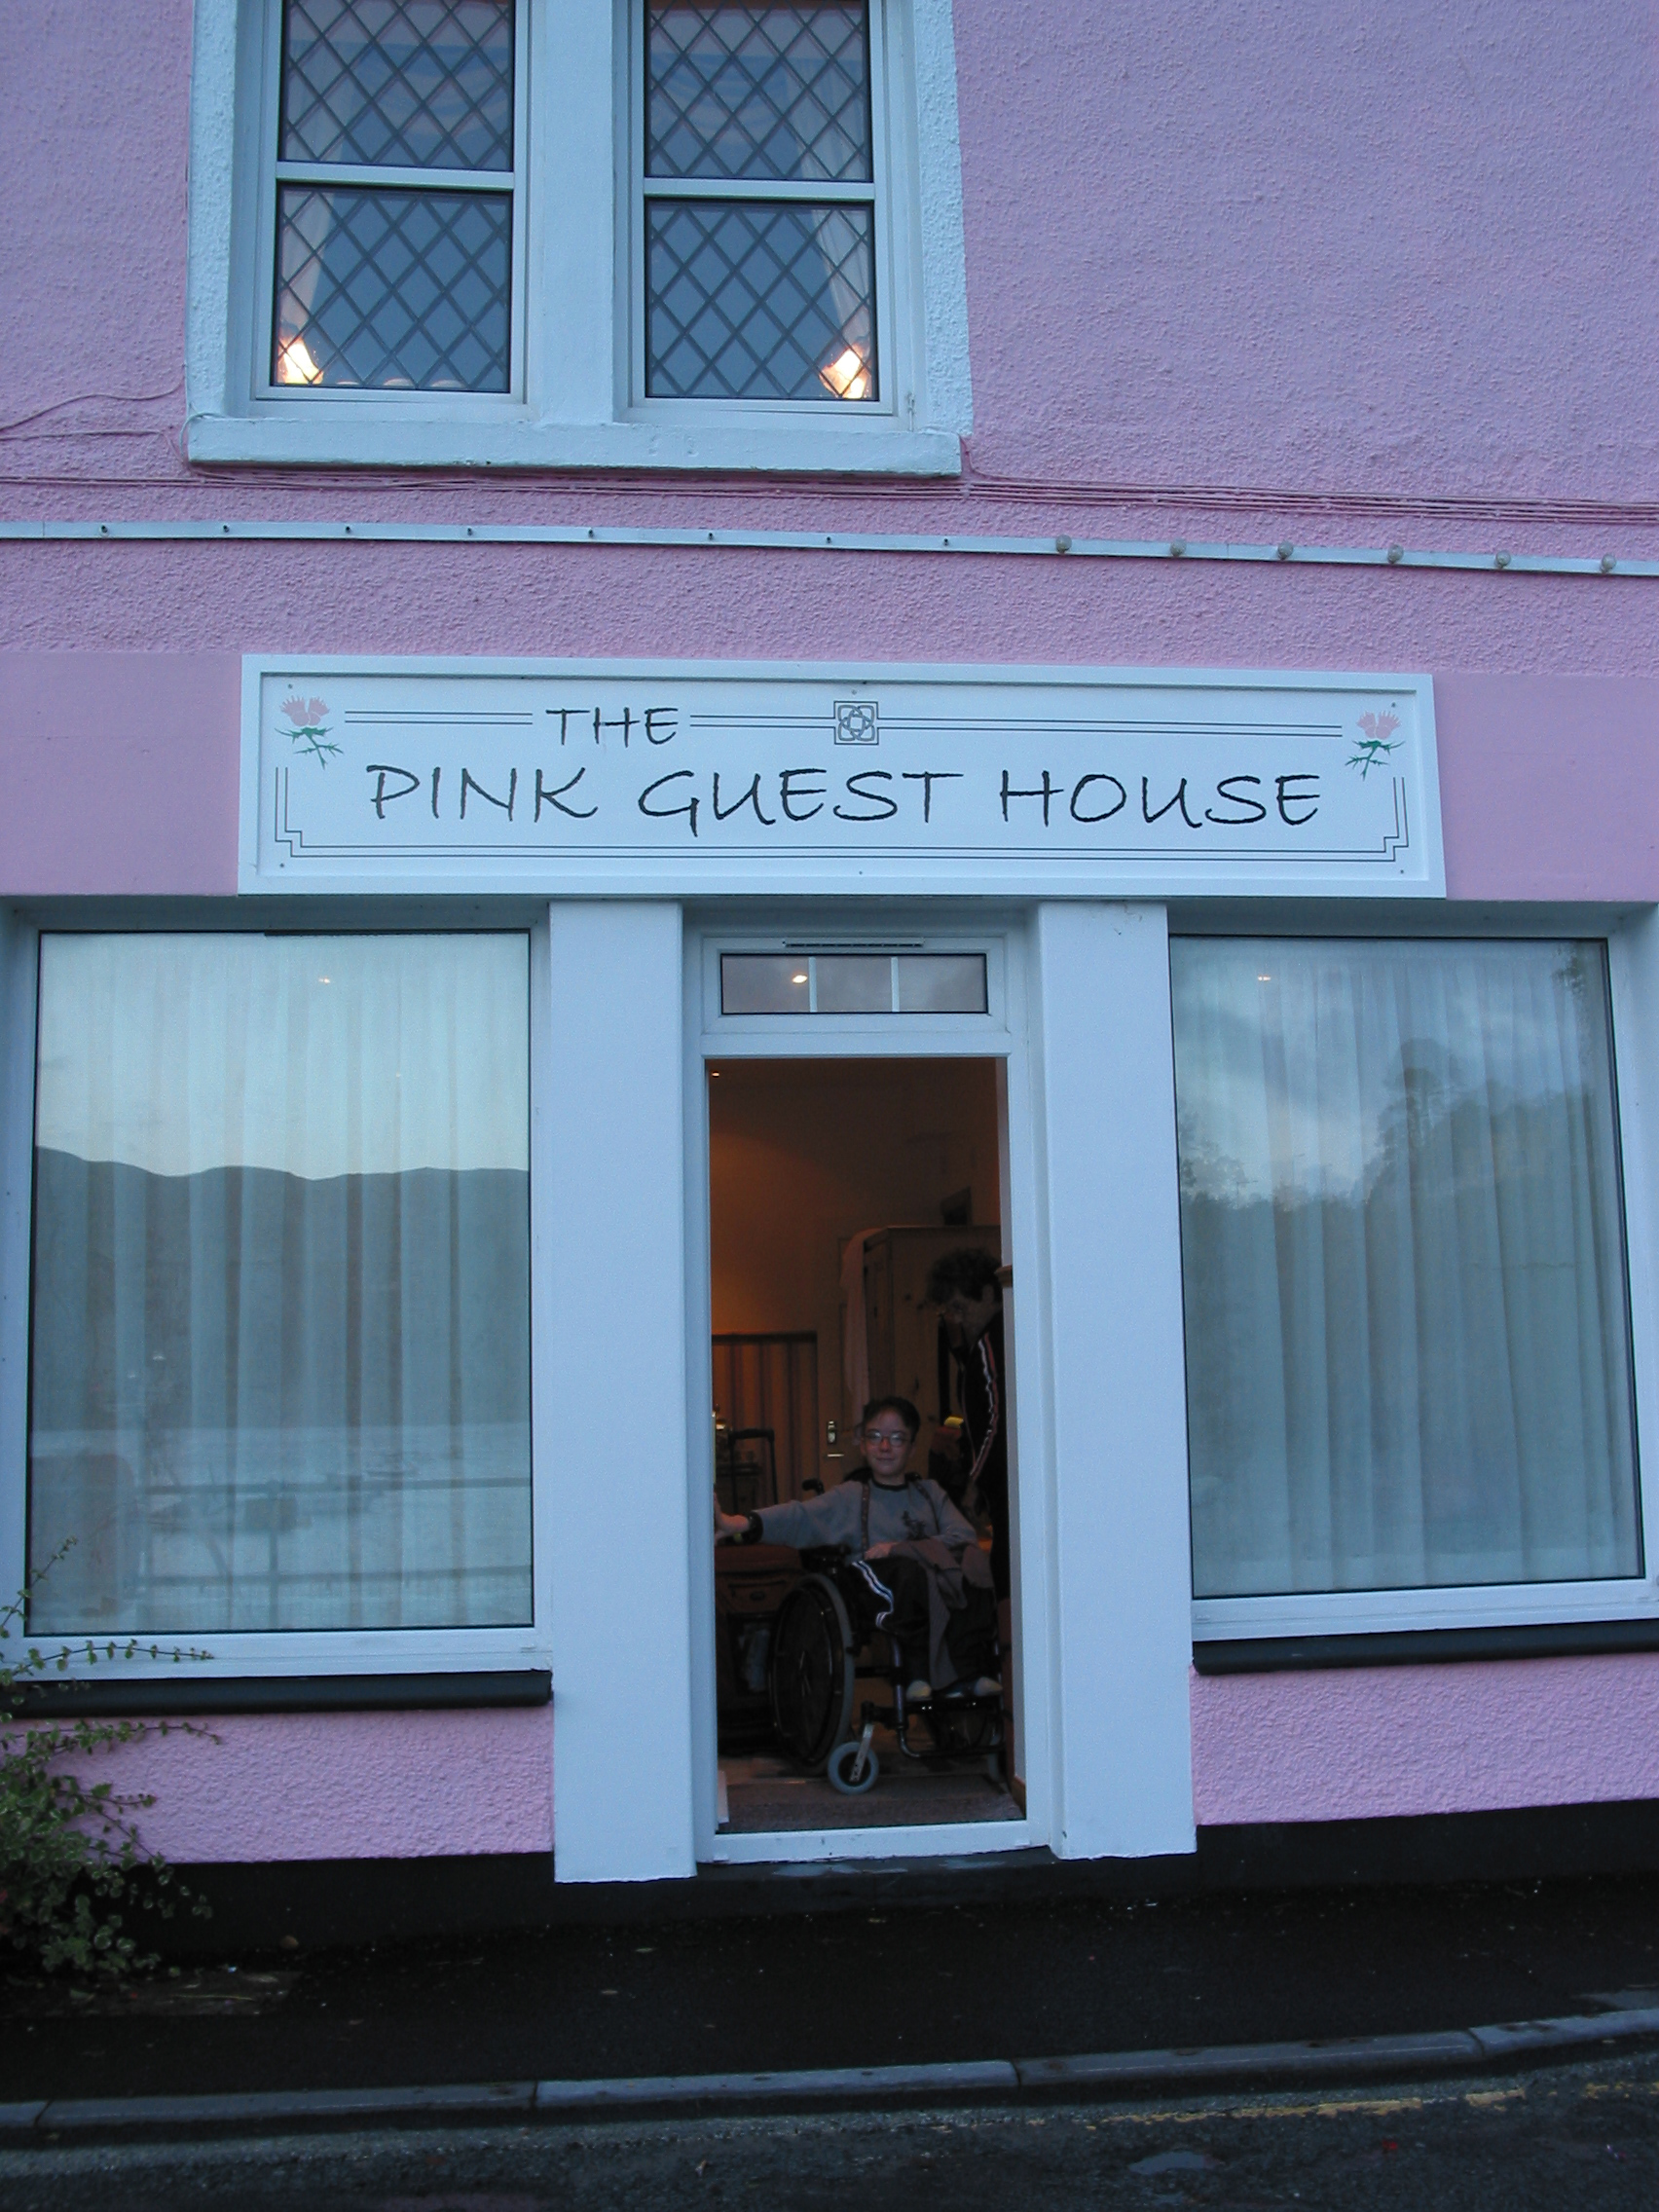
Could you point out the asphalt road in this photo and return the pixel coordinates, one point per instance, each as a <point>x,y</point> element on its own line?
<point>849,1989</point>
<point>1572,2136</point>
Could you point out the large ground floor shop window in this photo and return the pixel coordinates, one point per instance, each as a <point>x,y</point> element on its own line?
<point>1408,1332</point>
<point>279,1370</point>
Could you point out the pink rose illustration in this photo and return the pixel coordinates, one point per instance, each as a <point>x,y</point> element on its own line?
<point>310,732</point>
<point>1376,743</point>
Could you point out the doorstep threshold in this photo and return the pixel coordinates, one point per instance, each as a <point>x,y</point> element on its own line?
<point>918,1880</point>
<point>1019,1856</point>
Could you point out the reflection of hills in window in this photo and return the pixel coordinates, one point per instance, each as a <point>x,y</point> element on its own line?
<point>281,1318</point>
<point>263,1400</point>
<point>247,1296</point>
<point>1307,1074</point>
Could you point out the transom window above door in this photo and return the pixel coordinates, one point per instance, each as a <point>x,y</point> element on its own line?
<point>853,982</point>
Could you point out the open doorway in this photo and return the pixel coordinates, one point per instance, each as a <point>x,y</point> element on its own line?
<point>863,1671</point>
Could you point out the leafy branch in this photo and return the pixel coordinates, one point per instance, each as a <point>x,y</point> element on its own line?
<point>70,1852</point>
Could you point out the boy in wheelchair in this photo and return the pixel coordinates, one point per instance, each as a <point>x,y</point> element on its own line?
<point>906,1561</point>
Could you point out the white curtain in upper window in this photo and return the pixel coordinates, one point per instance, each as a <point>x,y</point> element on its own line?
<point>1408,1351</point>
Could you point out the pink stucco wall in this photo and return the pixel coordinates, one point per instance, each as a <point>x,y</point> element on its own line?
<point>1224,246</point>
<point>1549,786</point>
<point>1236,269</point>
<point>343,1785</point>
<point>122,778</point>
<point>1400,250</point>
<point>121,773</point>
<point>1365,1742</point>
<point>1350,1744</point>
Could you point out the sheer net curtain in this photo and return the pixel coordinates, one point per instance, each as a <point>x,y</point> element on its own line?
<point>1408,1348</point>
<point>281,1362</point>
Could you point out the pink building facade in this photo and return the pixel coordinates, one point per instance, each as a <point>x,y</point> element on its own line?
<point>1110,386</point>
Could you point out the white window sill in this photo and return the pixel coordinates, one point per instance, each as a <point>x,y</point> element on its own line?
<point>350,437</point>
<point>1385,1612</point>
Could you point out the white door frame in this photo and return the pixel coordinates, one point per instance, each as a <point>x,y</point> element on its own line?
<point>1000,1036</point>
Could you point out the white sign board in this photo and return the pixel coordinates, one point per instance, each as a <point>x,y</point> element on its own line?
<point>701,777</point>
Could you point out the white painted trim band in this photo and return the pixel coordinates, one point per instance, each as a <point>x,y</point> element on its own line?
<point>817,542</point>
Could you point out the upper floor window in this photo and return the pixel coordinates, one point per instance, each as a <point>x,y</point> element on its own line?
<point>397,201</point>
<point>695,234</point>
<point>758,231</point>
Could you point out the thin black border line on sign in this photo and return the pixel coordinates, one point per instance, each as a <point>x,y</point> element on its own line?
<point>1047,727</point>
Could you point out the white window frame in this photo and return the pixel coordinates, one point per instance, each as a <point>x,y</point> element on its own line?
<point>894,349</point>
<point>997,1035</point>
<point>573,405</point>
<point>274,173</point>
<point>1633,973</point>
<point>291,1653</point>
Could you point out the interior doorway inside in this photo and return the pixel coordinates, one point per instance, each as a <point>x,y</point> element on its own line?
<point>863,1671</point>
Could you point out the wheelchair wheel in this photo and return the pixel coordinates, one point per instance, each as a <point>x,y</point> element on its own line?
<point>842,1760</point>
<point>812,1670</point>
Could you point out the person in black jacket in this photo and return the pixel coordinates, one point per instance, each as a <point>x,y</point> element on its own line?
<point>965,1287</point>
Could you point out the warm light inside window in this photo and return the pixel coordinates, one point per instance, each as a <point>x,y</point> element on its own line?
<point>847,376</point>
<point>294,363</point>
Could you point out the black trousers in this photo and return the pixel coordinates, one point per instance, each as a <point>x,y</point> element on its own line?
<point>970,1636</point>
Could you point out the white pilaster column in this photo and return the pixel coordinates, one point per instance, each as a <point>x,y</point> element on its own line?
<point>610,1441</point>
<point>1118,1567</point>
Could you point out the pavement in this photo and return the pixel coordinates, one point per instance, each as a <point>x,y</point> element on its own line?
<point>1011,1989</point>
<point>1585,2134</point>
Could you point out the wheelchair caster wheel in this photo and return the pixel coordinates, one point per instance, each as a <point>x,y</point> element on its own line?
<point>843,1759</point>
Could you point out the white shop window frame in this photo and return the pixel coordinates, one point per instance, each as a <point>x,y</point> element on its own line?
<point>295,1653</point>
<point>1632,975</point>
<point>891,245</point>
<point>573,407</point>
<point>1632,957</point>
<point>998,1035</point>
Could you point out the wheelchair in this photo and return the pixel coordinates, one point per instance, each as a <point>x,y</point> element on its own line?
<point>818,1658</point>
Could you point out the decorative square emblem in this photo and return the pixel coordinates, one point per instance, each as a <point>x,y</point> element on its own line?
<point>857,722</point>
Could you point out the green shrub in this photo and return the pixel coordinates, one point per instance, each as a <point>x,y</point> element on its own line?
<point>72,1867</point>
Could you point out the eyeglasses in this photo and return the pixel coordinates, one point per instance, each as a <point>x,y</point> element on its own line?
<point>887,1436</point>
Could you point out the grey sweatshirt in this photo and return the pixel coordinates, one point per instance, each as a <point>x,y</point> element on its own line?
<point>920,1509</point>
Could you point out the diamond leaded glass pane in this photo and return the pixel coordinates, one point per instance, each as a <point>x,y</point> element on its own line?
<point>761,91</point>
<point>401,83</point>
<point>393,290</point>
<point>756,300</point>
